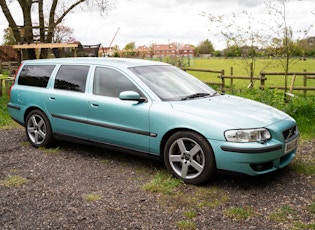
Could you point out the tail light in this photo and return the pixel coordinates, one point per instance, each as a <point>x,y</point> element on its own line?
<point>15,74</point>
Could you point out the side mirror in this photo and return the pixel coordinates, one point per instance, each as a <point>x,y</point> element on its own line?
<point>131,96</point>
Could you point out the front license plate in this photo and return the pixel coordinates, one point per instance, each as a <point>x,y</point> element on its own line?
<point>291,145</point>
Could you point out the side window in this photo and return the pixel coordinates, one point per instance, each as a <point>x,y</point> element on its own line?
<point>71,77</point>
<point>111,83</point>
<point>35,75</point>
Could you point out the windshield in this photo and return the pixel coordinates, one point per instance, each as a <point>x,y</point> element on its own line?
<point>171,83</point>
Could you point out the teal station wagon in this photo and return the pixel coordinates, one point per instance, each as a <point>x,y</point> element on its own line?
<point>154,109</point>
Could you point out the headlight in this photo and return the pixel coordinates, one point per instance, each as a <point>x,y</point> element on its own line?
<point>247,135</point>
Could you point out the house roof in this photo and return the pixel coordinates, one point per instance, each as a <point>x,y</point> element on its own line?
<point>161,47</point>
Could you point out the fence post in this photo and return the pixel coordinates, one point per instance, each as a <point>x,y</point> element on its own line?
<point>262,80</point>
<point>231,80</point>
<point>305,82</point>
<point>223,82</point>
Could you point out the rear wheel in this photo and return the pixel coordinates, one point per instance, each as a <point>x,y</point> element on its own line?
<point>38,129</point>
<point>189,157</point>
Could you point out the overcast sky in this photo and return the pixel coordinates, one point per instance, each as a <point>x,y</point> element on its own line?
<point>165,21</point>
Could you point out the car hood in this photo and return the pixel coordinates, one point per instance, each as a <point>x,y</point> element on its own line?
<point>235,111</point>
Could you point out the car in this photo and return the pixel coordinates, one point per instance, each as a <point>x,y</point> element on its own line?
<point>153,109</point>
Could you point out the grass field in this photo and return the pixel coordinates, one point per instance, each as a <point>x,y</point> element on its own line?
<point>240,68</point>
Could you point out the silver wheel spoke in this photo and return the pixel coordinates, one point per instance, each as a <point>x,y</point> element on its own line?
<point>196,165</point>
<point>175,158</point>
<point>184,170</point>
<point>181,146</point>
<point>195,150</point>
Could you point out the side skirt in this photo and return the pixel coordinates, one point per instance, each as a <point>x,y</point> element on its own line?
<point>63,137</point>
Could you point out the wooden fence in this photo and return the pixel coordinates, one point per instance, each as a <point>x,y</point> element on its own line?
<point>225,85</point>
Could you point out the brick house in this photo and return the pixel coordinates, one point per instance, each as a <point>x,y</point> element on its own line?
<point>161,50</point>
<point>173,50</point>
<point>144,51</point>
<point>186,51</point>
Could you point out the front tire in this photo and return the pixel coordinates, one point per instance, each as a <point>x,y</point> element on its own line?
<point>189,156</point>
<point>38,129</point>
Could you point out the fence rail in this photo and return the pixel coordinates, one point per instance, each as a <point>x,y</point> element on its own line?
<point>262,79</point>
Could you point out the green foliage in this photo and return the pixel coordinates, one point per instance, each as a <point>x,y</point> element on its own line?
<point>50,151</point>
<point>5,119</point>
<point>190,214</point>
<point>13,181</point>
<point>8,37</point>
<point>311,208</point>
<point>282,214</point>
<point>92,197</point>
<point>305,168</point>
<point>239,213</point>
<point>205,47</point>
<point>186,225</point>
<point>300,225</point>
<point>163,182</point>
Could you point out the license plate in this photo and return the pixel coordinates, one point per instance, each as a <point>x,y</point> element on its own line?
<point>291,145</point>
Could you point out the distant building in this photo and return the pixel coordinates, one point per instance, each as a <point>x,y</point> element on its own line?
<point>144,52</point>
<point>173,50</point>
<point>161,50</point>
<point>186,51</point>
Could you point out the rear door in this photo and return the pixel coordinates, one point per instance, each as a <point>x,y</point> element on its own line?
<point>114,121</point>
<point>66,102</point>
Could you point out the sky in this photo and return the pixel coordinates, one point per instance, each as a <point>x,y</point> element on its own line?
<point>167,21</point>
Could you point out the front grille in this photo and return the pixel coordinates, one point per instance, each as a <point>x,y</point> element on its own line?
<point>287,134</point>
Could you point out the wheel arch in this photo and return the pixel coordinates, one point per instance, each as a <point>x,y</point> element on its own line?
<point>170,133</point>
<point>32,108</point>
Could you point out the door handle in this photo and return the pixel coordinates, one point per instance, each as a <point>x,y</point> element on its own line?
<point>94,105</point>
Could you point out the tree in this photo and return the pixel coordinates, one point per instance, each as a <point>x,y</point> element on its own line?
<point>63,34</point>
<point>129,50</point>
<point>285,46</point>
<point>205,47</point>
<point>8,37</point>
<point>49,15</point>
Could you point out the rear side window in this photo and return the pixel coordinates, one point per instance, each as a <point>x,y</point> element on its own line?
<point>35,75</point>
<point>72,77</point>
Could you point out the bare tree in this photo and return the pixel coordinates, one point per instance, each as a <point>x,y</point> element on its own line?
<point>49,13</point>
<point>63,34</point>
<point>242,34</point>
<point>283,46</point>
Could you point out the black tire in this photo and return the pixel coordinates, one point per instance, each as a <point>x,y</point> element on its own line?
<point>189,156</point>
<point>38,129</point>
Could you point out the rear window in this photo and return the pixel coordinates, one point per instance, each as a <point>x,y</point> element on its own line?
<point>35,75</point>
<point>71,77</point>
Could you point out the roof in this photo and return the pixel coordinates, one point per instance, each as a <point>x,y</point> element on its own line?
<point>118,62</point>
<point>161,47</point>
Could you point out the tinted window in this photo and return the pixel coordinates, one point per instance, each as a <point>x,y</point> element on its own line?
<point>71,77</point>
<point>35,75</point>
<point>111,83</point>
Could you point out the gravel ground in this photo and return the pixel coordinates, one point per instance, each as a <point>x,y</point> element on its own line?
<point>58,182</point>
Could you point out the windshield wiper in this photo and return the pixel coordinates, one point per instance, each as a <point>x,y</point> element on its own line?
<point>195,95</point>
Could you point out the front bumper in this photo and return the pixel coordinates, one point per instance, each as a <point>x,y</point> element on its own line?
<point>252,158</point>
